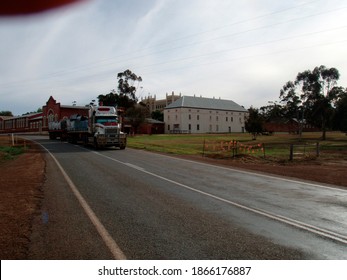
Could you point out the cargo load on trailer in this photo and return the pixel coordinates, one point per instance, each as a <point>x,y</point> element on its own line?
<point>77,123</point>
<point>99,127</point>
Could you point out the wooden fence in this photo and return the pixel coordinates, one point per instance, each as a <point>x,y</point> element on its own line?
<point>281,151</point>
<point>299,151</point>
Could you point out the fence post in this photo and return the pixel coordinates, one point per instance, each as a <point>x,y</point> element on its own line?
<point>264,149</point>
<point>305,149</point>
<point>317,149</point>
<point>233,148</point>
<point>291,152</point>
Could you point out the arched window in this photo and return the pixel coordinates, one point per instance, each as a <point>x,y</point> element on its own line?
<point>50,116</point>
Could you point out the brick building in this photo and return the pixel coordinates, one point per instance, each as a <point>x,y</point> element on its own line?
<point>54,111</point>
<point>38,122</point>
<point>25,123</point>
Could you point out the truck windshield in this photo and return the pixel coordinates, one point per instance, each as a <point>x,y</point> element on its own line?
<point>107,120</point>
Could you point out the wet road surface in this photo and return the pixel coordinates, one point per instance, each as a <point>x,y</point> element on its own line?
<point>160,207</point>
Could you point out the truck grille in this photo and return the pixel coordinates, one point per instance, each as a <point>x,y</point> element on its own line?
<point>111,130</point>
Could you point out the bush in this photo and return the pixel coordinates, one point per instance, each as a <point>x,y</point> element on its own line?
<point>7,153</point>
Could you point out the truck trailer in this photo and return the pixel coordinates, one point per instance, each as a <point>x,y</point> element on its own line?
<point>100,127</point>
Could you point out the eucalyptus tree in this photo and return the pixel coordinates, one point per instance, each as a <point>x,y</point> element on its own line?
<point>294,103</point>
<point>312,96</point>
<point>340,116</point>
<point>254,122</point>
<point>125,95</point>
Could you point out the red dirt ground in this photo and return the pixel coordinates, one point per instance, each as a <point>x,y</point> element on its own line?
<point>21,182</point>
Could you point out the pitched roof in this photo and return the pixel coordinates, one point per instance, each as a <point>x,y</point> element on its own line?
<point>74,107</point>
<point>206,103</point>
<point>6,117</point>
<point>29,115</point>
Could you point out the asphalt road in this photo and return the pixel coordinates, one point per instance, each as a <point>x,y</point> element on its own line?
<point>134,204</point>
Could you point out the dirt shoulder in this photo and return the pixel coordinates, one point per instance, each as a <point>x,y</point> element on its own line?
<point>21,184</point>
<point>22,180</point>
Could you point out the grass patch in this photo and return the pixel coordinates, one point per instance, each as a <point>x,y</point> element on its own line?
<point>276,145</point>
<point>8,152</point>
<point>167,143</point>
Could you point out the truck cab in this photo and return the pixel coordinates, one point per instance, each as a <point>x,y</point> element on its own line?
<point>105,128</point>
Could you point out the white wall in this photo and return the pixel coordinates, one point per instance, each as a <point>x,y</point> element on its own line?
<point>209,121</point>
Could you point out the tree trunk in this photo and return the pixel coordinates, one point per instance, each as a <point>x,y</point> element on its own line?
<point>324,129</point>
<point>324,134</point>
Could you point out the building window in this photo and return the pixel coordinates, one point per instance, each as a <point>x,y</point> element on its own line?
<point>231,119</point>
<point>226,119</point>
<point>217,118</point>
<point>190,116</point>
<point>168,127</point>
<point>197,117</point>
<point>217,128</point>
<point>189,126</point>
<point>197,127</point>
<point>50,116</point>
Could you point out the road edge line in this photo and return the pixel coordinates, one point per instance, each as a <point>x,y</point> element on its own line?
<point>105,236</point>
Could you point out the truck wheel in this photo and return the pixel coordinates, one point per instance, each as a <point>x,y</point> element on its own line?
<point>96,143</point>
<point>85,140</point>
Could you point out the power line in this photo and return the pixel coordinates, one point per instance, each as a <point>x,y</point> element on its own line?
<point>134,58</point>
<point>226,50</point>
<point>247,57</point>
<point>202,41</point>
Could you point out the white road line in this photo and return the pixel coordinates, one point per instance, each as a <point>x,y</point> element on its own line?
<point>298,224</point>
<point>106,237</point>
<point>255,173</point>
<point>134,166</point>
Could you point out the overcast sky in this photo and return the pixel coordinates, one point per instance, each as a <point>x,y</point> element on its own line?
<point>244,51</point>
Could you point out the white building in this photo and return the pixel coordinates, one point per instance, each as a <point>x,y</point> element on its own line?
<point>191,114</point>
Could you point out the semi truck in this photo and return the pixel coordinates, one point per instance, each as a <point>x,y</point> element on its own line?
<point>100,127</point>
